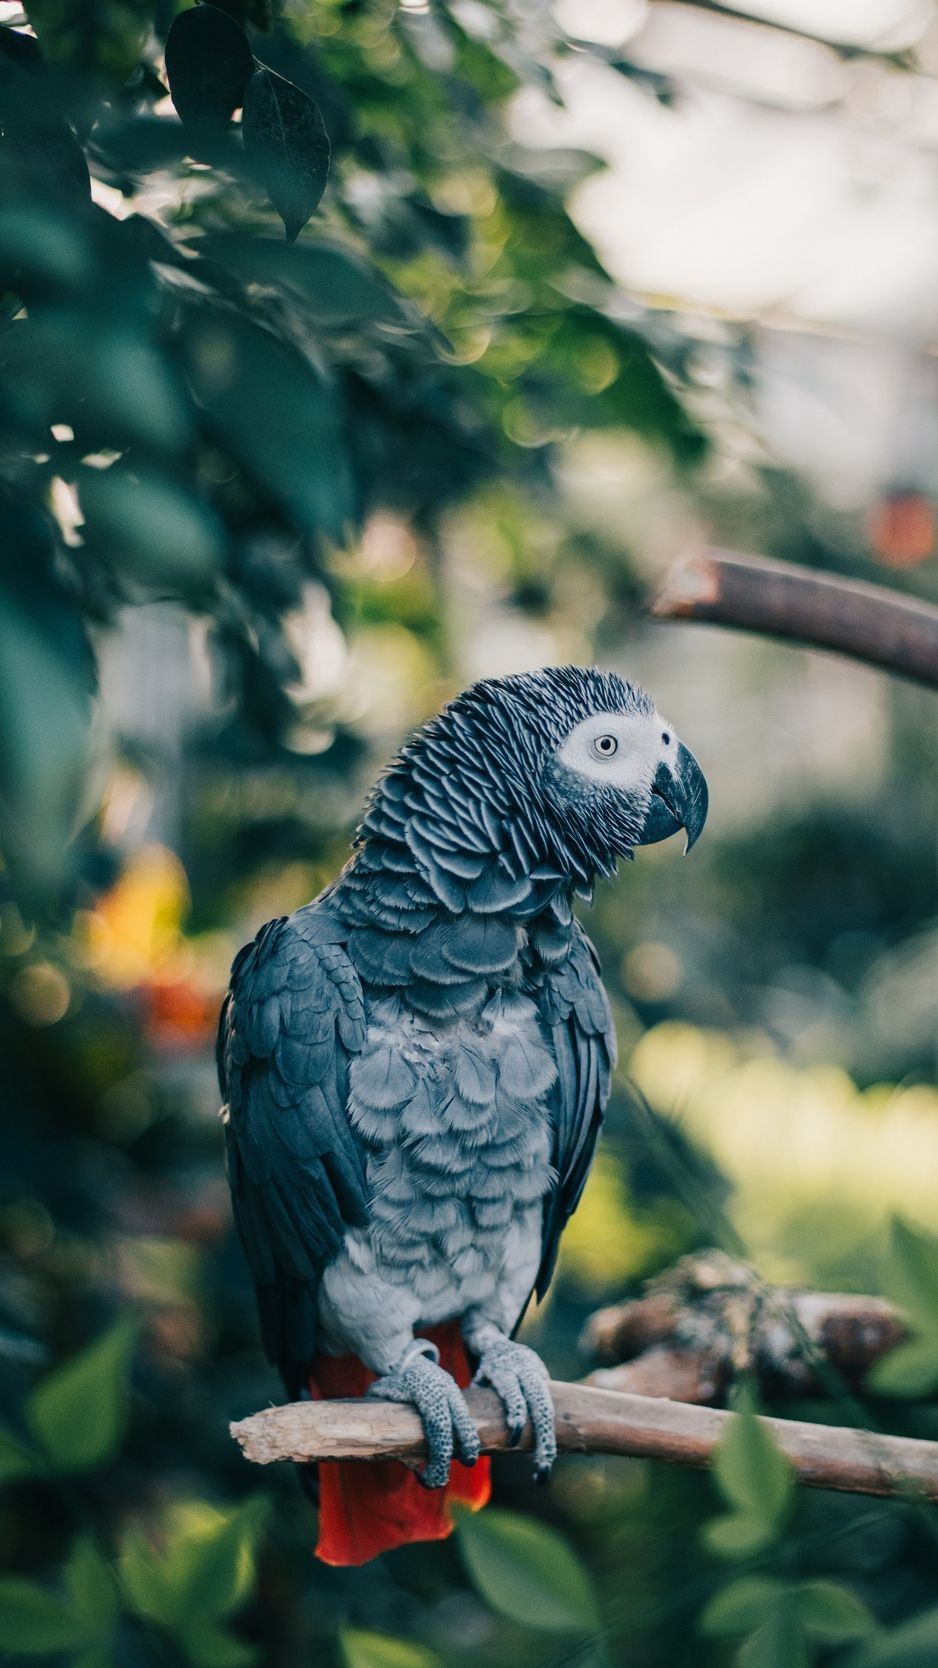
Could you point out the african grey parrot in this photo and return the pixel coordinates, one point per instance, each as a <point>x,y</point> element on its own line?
<point>415,1068</point>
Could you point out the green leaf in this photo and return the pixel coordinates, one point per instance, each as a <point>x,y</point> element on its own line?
<point>751,1472</point>
<point>210,1554</point>
<point>379,1650</point>
<point>43,155</point>
<point>15,1460</point>
<point>779,1643</point>
<point>19,49</point>
<point>108,40</point>
<point>79,1411</point>
<point>286,146</point>
<point>205,1566</point>
<point>39,247</point>
<point>209,63</point>
<point>91,1587</point>
<point>209,1646</point>
<point>33,1620</point>
<point>149,530</point>
<point>146,1581</point>
<point>914,1644</point>
<point>335,285</point>
<point>526,1571</point>
<point>911,1274</point>
<point>831,1613</point>
<point>738,1535</point>
<point>278,417</point>
<point>100,373</point>
<point>741,1606</point>
<point>46,680</point>
<point>911,1369</point>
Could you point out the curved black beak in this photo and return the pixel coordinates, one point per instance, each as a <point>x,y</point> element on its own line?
<point>679,799</point>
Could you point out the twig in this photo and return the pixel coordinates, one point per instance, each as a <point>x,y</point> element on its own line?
<point>595,1422</point>
<point>867,622</point>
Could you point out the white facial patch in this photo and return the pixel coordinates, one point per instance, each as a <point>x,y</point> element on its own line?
<point>621,750</point>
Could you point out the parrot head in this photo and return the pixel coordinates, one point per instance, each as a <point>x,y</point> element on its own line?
<point>624,769</point>
<point>580,760</point>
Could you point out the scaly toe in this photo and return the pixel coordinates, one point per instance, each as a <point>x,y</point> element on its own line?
<point>519,1379</point>
<point>447,1423</point>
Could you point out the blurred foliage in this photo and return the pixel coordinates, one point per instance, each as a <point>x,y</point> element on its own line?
<point>193,409</point>
<point>275,495</point>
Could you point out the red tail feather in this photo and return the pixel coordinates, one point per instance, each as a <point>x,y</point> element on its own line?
<point>369,1508</point>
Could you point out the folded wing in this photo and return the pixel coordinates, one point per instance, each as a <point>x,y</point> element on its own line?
<point>292,1021</point>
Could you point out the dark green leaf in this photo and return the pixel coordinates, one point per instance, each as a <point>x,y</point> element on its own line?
<point>15,1460</point>
<point>79,1411</point>
<point>527,1572</point>
<point>20,49</point>
<point>45,705</point>
<point>98,372</point>
<point>208,65</point>
<point>286,146</point>
<point>779,1643</point>
<point>43,155</point>
<point>913,1644</point>
<point>379,1650</point>
<point>751,1472</point>
<point>738,1535</point>
<point>276,414</point>
<point>203,1569</point>
<point>911,1275</point>
<point>741,1606</point>
<point>210,1555</point>
<point>911,1369</point>
<point>91,1588</point>
<point>34,1621</point>
<point>150,530</point>
<point>831,1613</point>
<point>104,40</point>
<point>336,285</point>
<point>146,1582</point>
<point>38,244</point>
<point>208,1646</point>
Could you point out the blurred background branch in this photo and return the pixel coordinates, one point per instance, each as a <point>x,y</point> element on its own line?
<point>867,622</point>
<point>710,1320</point>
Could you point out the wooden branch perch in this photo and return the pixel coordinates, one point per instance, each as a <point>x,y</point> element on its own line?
<point>866,622</point>
<point>710,1318</point>
<point>596,1422</point>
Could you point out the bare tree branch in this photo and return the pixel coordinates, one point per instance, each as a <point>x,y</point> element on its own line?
<point>710,1318</point>
<point>595,1422</point>
<point>867,622</point>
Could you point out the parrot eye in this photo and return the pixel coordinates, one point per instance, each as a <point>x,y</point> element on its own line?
<point>605,746</point>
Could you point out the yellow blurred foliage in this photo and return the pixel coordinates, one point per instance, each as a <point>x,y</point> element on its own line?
<point>817,1163</point>
<point>135,929</point>
<point>608,1242</point>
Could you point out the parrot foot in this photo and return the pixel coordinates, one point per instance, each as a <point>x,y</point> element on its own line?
<point>519,1379</point>
<point>448,1425</point>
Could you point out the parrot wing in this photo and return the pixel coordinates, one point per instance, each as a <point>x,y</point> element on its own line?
<point>292,1020</point>
<point>575,1008</point>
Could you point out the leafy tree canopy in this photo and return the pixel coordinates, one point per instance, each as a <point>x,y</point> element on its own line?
<point>327,277</point>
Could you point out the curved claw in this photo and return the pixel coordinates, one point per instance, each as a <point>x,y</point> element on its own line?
<point>519,1379</point>
<point>447,1422</point>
